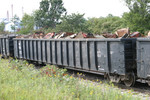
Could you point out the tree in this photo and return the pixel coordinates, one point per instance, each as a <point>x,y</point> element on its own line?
<point>49,13</point>
<point>107,24</point>
<point>27,24</point>
<point>138,19</point>
<point>15,23</point>
<point>72,23</point>
<point>2,26</point>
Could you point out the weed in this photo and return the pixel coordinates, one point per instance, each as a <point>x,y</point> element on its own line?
<point>21,81</point>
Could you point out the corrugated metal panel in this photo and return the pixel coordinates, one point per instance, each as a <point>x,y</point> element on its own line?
<point>24,49</point>
<point>143,58</point>
<point>15,49</point>
<point>59,52</point>
<point>31,49</point>
<point>6,46</point>
<point>117,57</point>
<point>71,54</point>
<point>44,51</point>
<point>54,52</point>
<point>105,55</point>
<point>48,53</point>
<point>35,51</point>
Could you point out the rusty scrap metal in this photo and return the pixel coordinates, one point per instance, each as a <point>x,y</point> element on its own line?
<point>135,35</point>
<point>49,35</point>
<point>107,35</point>
<point>122,32</point>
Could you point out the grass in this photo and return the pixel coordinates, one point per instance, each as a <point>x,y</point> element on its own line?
<point>21,81</point>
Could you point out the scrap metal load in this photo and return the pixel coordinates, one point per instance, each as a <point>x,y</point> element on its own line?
<point>121,33</point>
<point>53,35</point>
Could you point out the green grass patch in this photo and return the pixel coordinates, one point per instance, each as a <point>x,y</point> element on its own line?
<point>21,81</point>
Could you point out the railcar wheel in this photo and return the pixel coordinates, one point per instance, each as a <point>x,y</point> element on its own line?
<point>130,81</point>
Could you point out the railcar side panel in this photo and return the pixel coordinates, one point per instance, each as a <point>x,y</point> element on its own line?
<point>95,55</point>
<point>143,58</point>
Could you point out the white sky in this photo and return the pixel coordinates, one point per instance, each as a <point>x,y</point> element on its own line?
<point>91,8</point>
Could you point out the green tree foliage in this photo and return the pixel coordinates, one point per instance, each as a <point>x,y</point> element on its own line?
<point>49,13</point>
<point>2,26</point>
<point>15,20</point>
<point>72,23</point>
<point>138,19</point>
<point>27,24</point>
<point>76,23</point>
<point>107,24</point>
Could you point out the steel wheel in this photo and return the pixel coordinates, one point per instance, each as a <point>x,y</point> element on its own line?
<point>131,80</point>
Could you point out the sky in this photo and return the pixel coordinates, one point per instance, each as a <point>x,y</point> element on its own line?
<point>91,8</point>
